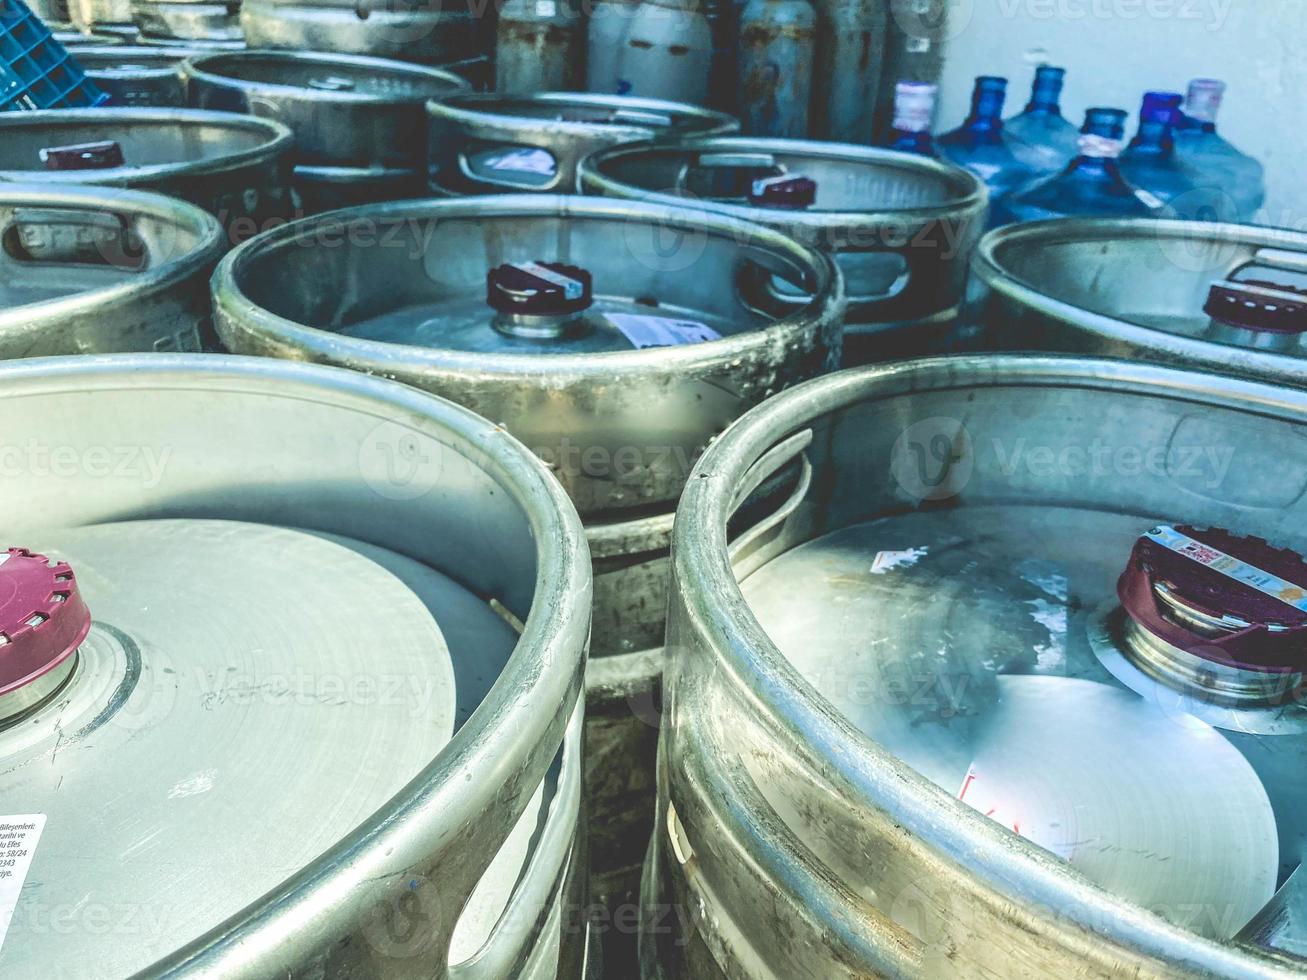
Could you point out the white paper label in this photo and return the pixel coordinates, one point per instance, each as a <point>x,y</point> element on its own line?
<point>18,839</point>
<point>546,8</point>
<point>887,561</point>
<point>1265,582</point>
<point>524,161</point>
<point>657,331</point>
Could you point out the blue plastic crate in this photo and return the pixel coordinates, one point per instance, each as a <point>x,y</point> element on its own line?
<point>35,70</point>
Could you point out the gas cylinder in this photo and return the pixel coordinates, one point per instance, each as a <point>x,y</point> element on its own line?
<point>914,51</point>
<point>847,72</point>
<point>538,46</point>
<point>777,47</point>
<point>661,50</point>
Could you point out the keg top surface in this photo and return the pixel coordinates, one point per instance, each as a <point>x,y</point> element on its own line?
<point>422,298</point>
<point>252,694</point>
<point>942,602</point>
<point>1146,283</point>
<point>228,658</point>
<point>723,172</point>
<point>585,112</point>
<point>155,143</point>
<point>327,77</point>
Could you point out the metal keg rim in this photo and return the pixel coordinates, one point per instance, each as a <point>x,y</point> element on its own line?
<point>277,139</point>
<point>528,707</point>
<point>231,305</point>
<point>988,266</point>
<point>863,773</point>
<point>210,245</point>
<point>110,52</point>
<point>200,66</point>
<point>479,108</point>
<point>972,196</point>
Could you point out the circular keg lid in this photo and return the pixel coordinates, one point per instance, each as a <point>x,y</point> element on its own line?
<point>43,618</point>
<point>1258,305</point>
<point>1231,600</point>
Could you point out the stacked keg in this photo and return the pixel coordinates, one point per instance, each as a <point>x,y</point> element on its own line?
<point>496,143</point>
<point>567,321</point>
<point>359,123</point>
<point>1016,689</point>
<point>281,781</point>
<point>900,227</point>
<point>235,167</point>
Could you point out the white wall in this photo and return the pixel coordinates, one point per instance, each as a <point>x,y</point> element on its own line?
<point>1114,50</point>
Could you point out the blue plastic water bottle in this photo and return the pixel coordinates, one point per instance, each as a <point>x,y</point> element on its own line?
<point>980,143</point>
<point>1150,162</point>
<point>1211,160</point>
<point>1090,185</point>
<point>1040,136</point>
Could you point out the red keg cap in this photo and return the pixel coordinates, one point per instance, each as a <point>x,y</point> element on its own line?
<point>792,191</point>
<point>539,288</point>
<point>43,619</point>
<point>102,155</point>
<point>1228,599</point>
<point>1258,305</point>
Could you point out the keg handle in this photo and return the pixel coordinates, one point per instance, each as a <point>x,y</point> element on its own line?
<point>752,841</point>
<point>482,178</point>
<point>53,234</point>
<point>746,541</point>
<point>512,937</point>
<point>1276,258</point>
<point>751,164</point>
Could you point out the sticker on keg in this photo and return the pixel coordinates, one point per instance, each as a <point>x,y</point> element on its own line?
<point>887,561</point>
<point>18,838</point>
<point>524,161</point>
<point>546,8</point>
<point>1265,582</point>
<point>659,331</point>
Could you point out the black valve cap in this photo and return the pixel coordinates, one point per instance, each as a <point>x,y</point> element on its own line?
<point>539,288</point>
<point>784,191</point>
<point>1258,305</point>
